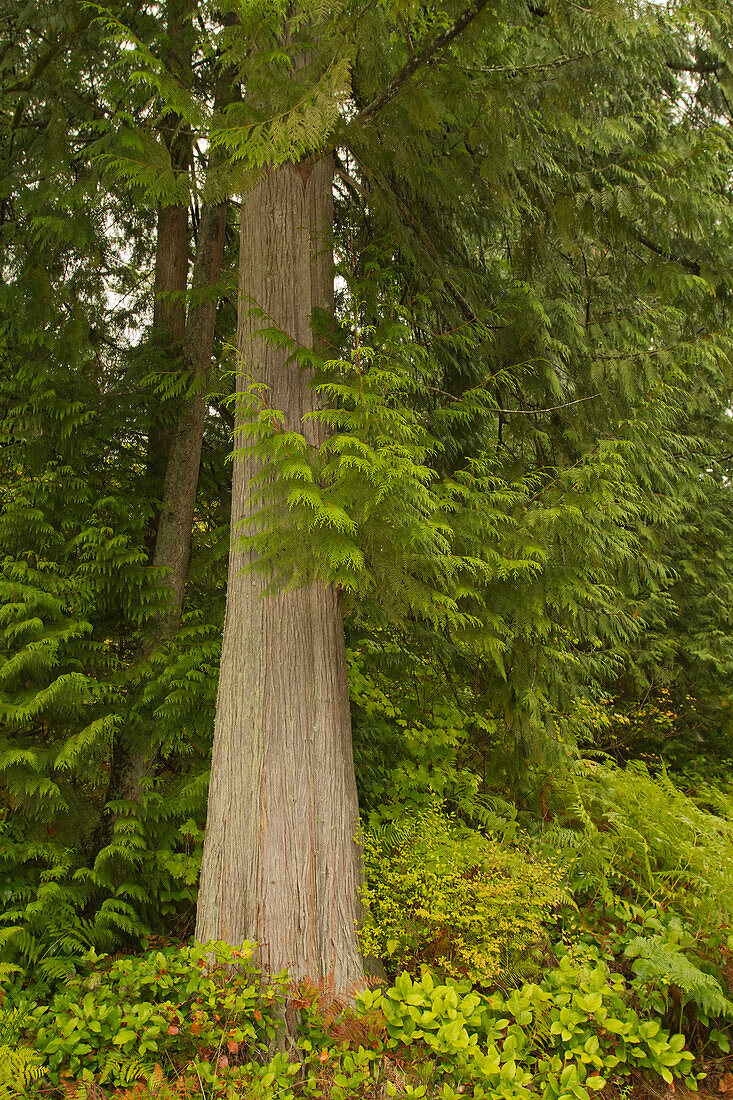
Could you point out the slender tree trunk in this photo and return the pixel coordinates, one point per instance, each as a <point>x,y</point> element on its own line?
<point>171,268</point>
<point>183,459</point>
<point>173,540</point>
<point>169,325</point>
<point>174,448</point>
<point>171,250</point>
<point>281,861</point>
<point>131,764</point>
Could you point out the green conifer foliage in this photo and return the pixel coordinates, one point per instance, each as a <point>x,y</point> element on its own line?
<point>77,594</point>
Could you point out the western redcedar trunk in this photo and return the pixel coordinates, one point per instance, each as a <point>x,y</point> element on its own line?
<point>282,863</point>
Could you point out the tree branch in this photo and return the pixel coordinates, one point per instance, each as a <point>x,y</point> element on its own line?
<point>511,412</point>
<point>406,214</point>
<point>540,67</point>
<point>351,183</point>
<point>44,60</point>
<point>422,57</point>
<point>703,68</point>
<point>689,265</point>
<point>225,413</point>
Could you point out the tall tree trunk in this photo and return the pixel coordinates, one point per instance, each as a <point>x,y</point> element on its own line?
<point>130,764</point>
<point>174,449</point>
<point>174,455</point>
<point>169,322</point>
<point>175,524</point>
<point>173,540</point>
<point>171,250</point>
<point>281,862</point>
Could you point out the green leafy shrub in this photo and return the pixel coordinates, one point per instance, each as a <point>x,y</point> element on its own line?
<point>624,830</point>
<point>413,737</point>
<point>443,894</point>
<point>180,1023</point>
<point>664,959</point>
<point>670,971</point>
<point>182,1007</point>
<point>561,1039</point>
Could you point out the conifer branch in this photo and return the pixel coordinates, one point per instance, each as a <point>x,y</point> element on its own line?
<point>418,60</point>
<point>26,84</point>
<point>406,214</point>
<point>44,60</point>
<point>351,183</point>
<point>690,265</point>
<point>514,412</point>
<point>702,68</point>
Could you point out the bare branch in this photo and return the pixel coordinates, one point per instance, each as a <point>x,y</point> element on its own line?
<point>351,183</point>
<point>540,67</point>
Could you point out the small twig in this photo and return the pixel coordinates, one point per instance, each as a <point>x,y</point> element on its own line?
<point>702,68</point>
<point>223,412</point>
<point>689,265</point>
<point>538,67</point>
<point>201,1084</point>
<point>525,412</point>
